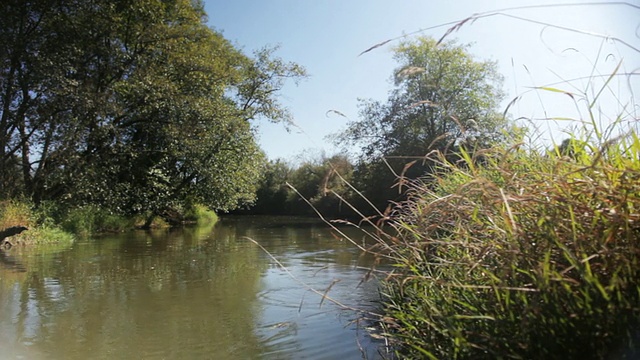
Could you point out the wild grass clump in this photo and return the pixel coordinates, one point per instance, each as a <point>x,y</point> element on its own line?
<point>528,255</point>
<point>45,234</point>
<point>15,213</point>
<point>200,214</point>
<point>41,229</point>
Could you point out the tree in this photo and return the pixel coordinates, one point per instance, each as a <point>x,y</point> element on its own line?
<point>316,180</point>
<point>273,193</point>
<point>442,99</point>
<point>135,106</point>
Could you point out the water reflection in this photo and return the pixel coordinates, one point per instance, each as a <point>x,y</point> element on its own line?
<point>196,293</point>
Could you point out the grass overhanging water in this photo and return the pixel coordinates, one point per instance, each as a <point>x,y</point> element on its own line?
<point>520,250</point>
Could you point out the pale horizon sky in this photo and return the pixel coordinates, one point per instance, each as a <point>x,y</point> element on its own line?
<point>326,36</point>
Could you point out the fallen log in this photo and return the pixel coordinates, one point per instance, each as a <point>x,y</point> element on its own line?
<point>11,231</point>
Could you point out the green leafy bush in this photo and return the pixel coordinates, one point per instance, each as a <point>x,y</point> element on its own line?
<point>88,220</point>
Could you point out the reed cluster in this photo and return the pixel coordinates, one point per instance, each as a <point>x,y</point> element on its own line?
<point>514,253</point>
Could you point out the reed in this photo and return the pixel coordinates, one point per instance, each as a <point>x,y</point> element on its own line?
<point>522,250</point>
<point>528,256</point>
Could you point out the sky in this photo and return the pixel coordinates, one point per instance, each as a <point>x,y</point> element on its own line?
<point>327,36</point>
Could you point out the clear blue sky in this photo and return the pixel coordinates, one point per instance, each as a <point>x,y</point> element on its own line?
<point>326,36</point>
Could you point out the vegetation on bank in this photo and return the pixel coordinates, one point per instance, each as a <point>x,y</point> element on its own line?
<point>49,224</point>
<point>40,230</point>
<point>115,109</point>
<point>513,250</point>
<point>518,254</point>
<point>287,189</point>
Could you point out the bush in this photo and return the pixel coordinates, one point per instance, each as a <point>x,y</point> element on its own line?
<point>200,214</point>
<point>15,213</point>
<point>41,229</point>
<point>87,220</point>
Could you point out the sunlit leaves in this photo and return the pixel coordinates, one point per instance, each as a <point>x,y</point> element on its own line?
<point>136,106</point>
<point>443,99</point>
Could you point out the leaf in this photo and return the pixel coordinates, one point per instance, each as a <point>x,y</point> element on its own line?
<point>422,102</point>
<point>606,83</point>
<point>551,89</point>
<point>562,118</point>
<point>335,112</point>
<point>376,46</point>
<point>511,103</point>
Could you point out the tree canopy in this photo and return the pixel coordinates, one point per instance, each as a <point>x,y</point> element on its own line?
<point>442,99</point>
<point>134,105</point>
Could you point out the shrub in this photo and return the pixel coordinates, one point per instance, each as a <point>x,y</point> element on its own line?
<point>87,220</point>
<point>41,229</point>
<point>15,213</point>
<point>200,214</point>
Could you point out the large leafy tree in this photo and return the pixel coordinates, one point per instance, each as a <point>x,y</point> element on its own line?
<point>136,106</point>
<point>442,99</point>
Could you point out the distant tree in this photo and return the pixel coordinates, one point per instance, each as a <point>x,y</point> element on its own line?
<point>273,193</point>
<point>443,98</point>
<point>136,106</point>
<point>316,180</point>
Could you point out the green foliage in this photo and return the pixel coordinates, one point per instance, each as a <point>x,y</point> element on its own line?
<point>88,220</point>
<point>443,98</point>
<point>200,214</point>
<point>320,182</point>
<point>46,235</point>
<point>22,213</point>
<point>272,196</point>
<point>15,213</point>
<point>529,256</point>
<point>132,106</point>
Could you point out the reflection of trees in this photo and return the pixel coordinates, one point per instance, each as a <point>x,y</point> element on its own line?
<point>162,294</point>
<point>9,262</point>
<point>186,293</point>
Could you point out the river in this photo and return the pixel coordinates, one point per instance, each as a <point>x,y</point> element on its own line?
<point>192,293</point>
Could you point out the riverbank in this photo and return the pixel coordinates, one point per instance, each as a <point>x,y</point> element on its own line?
<point>521,253</point>
<point>47,224</point>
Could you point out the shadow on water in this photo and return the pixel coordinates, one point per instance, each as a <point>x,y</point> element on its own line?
<point>195,293</point>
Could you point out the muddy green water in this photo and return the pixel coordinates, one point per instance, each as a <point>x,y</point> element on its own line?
<point>195,293</point>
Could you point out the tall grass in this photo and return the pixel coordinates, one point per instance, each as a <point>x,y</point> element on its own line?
<point>521,251</point>
<point>527,256</point>
<point>518,253</point>
<point>15,213</point>
<point>87,220</point>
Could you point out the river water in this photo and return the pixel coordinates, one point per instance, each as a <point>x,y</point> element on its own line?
<point>192,293</point>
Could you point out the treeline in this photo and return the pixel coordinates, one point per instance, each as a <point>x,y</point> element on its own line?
<point>315,184</point>
<point>139,108</point>
<point>444,101</point>
<point>136,107</point>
